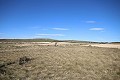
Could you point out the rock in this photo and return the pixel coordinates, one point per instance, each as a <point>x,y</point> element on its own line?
<point>23,60</point>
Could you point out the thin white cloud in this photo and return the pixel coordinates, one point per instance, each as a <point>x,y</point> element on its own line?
<point>49,34</point>
<point>97,29</point>
<point>60,29</point>
<point>91,22</point>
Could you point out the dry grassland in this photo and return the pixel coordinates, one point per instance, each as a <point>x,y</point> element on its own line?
<point>63,62</point>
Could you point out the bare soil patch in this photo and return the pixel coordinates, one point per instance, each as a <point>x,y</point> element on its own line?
<point>105,45</point>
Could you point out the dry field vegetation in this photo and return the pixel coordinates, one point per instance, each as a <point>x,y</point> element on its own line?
<point>62,62</point>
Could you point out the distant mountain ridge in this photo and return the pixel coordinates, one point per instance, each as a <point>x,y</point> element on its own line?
<point>50,40</point>
<point>28,40</point>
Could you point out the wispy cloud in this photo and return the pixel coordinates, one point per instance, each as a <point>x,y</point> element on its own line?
<point>50,35</point>
<point>97,29</point>
<point>60,29</point>
<point>91,22</point>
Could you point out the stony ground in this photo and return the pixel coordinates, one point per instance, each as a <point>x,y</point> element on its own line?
<point>62,62</point>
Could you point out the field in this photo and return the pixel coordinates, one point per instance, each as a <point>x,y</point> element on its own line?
<point>66,61</point>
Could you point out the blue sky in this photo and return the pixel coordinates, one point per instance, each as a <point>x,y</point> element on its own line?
<point>89,20</point>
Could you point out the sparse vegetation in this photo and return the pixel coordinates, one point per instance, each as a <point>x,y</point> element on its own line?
<point>23,61</point>
<point>118,73</point>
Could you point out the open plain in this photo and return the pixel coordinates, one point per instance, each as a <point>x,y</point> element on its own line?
<point>66,61</point>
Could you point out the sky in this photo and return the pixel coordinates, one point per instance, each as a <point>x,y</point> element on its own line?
<point>86,20</point>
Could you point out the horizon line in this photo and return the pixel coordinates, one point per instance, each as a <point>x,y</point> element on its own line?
<point>57,39</point>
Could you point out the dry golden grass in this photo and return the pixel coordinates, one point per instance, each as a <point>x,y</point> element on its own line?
<point>64,62</point>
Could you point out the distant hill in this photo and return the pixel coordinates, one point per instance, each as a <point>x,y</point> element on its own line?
<point>27,40</point>
<point>52,40</point>
<point>77,41</point>
<point>43,40</point>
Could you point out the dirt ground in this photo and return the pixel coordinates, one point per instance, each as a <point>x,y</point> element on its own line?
<point>67,61</point>
<point>105,45</point>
